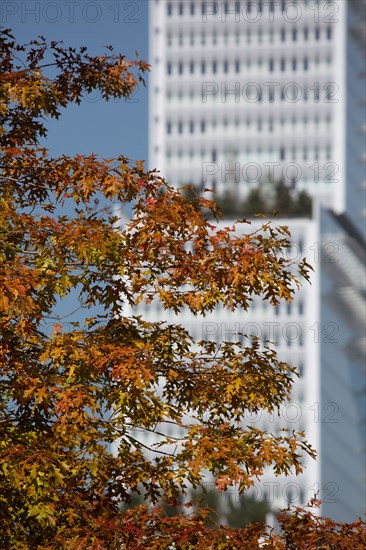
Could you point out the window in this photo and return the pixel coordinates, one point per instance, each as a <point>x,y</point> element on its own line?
<point>329,33</point>
<point>214,67</point>
<point>180,67</point>
<point>282,153</point>
<point>283,65</point>
<point>191,127</point>
<point>192,38</point>
<point>283,35</point>
<point>203,126</point>
<point>180,127</point>
<point>191,67</point>
<point>306,64</point>
<point>306,33</point>
<point>181,8</point>
<point>317,33</point>
<point>203,38</point>
<point>169,68</point>
<point>301,308</point>
<point>226,66</point>
<point>169,39</point>
<point>237,66</point>
<point>192,8</point>
<point>203,67</point>
<point>214,155</point>
<point>294,35</point>
<point>294,64</point>
<point>271,65</point>
<point>169,9</point>
<point>169,127</point>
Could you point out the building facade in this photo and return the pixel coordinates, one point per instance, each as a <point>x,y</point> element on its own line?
<point>246,94</point>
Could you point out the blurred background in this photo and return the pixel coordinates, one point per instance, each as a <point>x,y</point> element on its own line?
<point>263,104</point>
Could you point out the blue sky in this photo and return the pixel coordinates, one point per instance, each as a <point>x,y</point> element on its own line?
<point>107,129</point>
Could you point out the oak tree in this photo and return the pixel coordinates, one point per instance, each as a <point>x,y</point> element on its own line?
<point>76,396</point>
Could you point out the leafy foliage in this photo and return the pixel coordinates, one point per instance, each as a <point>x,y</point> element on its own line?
<point>71,392</point>
<point>268,199</point>
<point>301,529</point>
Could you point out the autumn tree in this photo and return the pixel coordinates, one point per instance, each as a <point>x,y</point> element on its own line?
<point>74,395</point>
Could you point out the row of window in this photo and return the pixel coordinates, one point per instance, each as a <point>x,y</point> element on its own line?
<point>203,67</point>
<point>212,8</point>
<point>294,338</point>
<point>294,154</point>
<point>291,93</point>
<point>248,36</point>
<point>269,125</point>
<point>299,307</point>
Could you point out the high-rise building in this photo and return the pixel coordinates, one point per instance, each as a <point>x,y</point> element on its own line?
<point>244,92</point>
<point>249,93</point>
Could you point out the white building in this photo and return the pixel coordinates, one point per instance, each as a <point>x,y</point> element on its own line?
<point>251,91</point>
<point>247,92</point>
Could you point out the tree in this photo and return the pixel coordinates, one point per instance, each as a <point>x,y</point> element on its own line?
<point>281,200</point>
<point>68,391</point>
